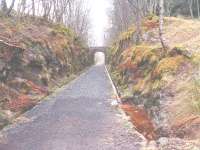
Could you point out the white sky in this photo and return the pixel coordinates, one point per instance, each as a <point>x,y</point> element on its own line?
<point>99,20</point>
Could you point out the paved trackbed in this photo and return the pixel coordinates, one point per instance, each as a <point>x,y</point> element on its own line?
<point>78,117</point>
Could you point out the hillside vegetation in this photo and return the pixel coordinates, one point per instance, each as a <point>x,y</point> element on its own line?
<point>165,83</point>
<point>36,56</point>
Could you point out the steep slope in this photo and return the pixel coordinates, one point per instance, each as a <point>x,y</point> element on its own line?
<point>35,57</point>
<point>164,83</point>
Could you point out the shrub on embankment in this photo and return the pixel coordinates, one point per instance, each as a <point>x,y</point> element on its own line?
<point>164,82</point>
<point>35,57</point>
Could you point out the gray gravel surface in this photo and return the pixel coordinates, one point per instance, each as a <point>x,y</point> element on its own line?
<point>78,117</point>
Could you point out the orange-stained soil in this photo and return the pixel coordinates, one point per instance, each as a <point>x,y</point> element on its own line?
<point>140,120</point>
<point>21,103</point>
<point>187,127</point>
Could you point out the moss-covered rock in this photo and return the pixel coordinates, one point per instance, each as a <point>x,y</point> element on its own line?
<point>168,64</point>
<point>36,55</point>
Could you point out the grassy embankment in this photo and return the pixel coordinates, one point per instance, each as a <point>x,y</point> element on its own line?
<point>166,83</point>
<point>36,57</point>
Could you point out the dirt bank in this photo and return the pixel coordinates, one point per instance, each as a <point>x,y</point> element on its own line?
<point>36,56</point>
<point>163,85</point>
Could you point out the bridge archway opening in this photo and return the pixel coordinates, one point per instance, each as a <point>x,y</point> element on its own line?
<point>99,58</point>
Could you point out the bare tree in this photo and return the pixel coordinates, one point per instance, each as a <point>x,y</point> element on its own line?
<point>33,7</point>
<point>10,8</point>
<point>136,6</point>
<point>161,5</point>
<point>121,17</point>
<point>4,6</point>
<point>72,13</point>
<point>190,2</point>
<point>21,8</point>
<point>198,8</point>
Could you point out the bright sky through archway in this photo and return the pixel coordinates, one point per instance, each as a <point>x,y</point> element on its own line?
<point>99,20</point>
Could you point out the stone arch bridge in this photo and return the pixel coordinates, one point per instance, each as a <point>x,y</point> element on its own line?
<point>99,55</point>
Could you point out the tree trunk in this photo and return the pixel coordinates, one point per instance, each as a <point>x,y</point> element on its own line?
<point>161,21</point>
<point>190,7</point>
<point>138,23</point>
<point>136,6</point>
<point>10,8</point>
<point>198,9</point>
<point>33,7</point>
<point>4,6</point>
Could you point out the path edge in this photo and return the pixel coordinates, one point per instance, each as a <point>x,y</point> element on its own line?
<point>119,101</point>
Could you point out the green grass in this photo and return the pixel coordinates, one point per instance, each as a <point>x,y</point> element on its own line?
<point>196,96</point>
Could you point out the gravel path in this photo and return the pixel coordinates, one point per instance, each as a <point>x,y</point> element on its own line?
<point>78,117</point>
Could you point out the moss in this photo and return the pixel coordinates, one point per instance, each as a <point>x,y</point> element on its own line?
<point>168,64</point>
<point>63,30</point>
<point>151,101</point>
<point>195,95</point>
<point>152,16</point>
<point>127,35</point>
<point>138,88</point>
<point>145,53</point>
<point>114,48</point>
<point>117,76</point>
<point>78,41</point>
<point>196,59</point>
<point>125,92</point>
<point>143,85</point>
<point>150,22</point>
<point>180,50</point>
<point>3,121</point>
<point>157,85</point>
